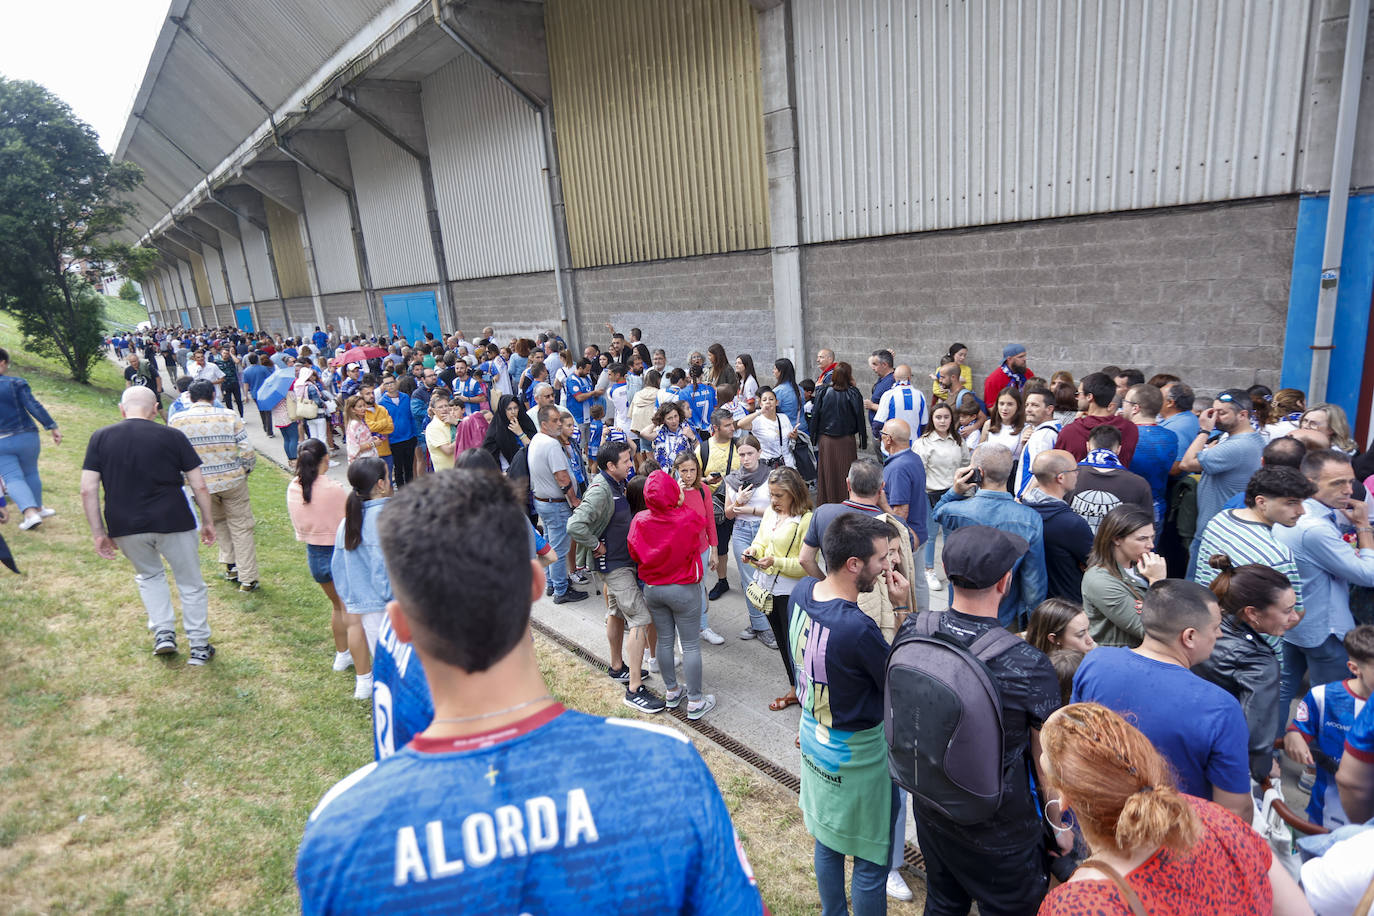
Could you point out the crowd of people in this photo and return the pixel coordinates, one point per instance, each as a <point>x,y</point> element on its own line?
<point>1152,595</point>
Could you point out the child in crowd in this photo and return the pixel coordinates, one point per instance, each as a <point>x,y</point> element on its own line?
<point>594,431</point>
<point>1316,736</point>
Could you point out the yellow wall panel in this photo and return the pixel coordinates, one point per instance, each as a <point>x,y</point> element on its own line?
<point>285,228</point>
<point>659,115</point>
<point>202,280</point>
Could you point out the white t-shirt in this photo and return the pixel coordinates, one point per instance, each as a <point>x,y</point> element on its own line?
<point>1335,882</point>
<point>750,392</point>
<point>771,444</point>
<point>209,372</point>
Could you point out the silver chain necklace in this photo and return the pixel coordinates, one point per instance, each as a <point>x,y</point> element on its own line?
<point>499,712</point>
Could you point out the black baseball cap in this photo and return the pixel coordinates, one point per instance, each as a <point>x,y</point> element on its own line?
<point>976,556</point>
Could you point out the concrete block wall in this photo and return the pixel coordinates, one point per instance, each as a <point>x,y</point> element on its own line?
<point>351,306</point>
<point>684,305</point>
<point>519,305</point>
<point>301,311</point>
<point>1201,292</point>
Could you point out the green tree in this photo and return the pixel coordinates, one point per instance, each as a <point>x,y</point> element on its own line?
<point>57,202</point>
<point>128,292</point>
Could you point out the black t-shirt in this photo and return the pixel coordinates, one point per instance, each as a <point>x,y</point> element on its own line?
<point>1029,691</point>
<point>1100,491</point>
<point>141,464</point>
<point>140,376</point>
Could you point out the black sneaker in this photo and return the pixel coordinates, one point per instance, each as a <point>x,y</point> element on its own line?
<point>643,700</point>
<point>201,655</point>
<point>231,572</point>
<point>623,675</point>
<point>570,596</point>
<point>548,591</point>
<point>165,642</point>
<point>720,588</point>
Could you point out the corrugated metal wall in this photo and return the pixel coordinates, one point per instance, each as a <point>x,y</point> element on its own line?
<point>255,246</point>
<point>485,152</point>
<point>238,271</point>
<point>331,234</point>
<point>186,282</point>
<point>287,249</point>
<point>660,127</point>
<point>201,280</point>
<point>927,114</point>
<point>216,276</point>
<point>391,201</point>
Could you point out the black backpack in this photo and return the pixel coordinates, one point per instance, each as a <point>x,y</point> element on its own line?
<point>943,718</point>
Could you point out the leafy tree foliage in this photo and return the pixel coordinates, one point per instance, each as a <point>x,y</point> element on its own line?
<point>57,202</point>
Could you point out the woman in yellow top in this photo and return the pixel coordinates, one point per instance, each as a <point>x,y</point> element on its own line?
<point>958,353</point>
<point>775,555</point>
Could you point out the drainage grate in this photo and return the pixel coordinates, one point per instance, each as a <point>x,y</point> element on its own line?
<point>912,856</point>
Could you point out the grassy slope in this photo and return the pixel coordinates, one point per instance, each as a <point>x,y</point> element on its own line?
<point>121,315</point>
<point>137,784</point>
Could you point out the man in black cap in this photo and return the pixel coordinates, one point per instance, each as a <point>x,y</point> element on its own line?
<point>1002,862</point>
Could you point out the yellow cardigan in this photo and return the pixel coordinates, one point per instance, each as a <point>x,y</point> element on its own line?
<point>781,539</point>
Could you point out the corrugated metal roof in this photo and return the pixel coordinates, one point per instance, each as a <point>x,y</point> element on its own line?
<point>925,114</point>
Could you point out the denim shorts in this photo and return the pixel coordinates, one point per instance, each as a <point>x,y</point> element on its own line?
<point>321,557</point>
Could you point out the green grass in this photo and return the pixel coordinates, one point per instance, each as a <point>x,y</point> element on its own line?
<point>121,315</point>
<point>130,783</point>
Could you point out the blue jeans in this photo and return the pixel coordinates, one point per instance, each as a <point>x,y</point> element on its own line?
<point>933,496</point>
<point>867,887</point>
<point>290,438</point>
<point>19,467</point>
<point>745,528</point>
<point>1325,663</point>
<point>555,519</point>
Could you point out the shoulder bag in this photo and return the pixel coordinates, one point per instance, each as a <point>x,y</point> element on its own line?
<point>761,595</point>
<point>1127,892</point>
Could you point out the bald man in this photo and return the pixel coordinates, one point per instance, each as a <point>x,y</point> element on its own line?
<point>903,402</point>
<point>142,465</point>
<point>1068,537</point>
<point>825,364</point>
<point>904,479</point>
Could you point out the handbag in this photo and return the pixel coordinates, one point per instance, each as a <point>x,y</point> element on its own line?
<point>306,409</point>
<point>760,595</point>
<point>805,458</point>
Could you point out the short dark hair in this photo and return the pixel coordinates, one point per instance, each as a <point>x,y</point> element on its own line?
<point>1104,436</point>
<point>1359,644</point>
<point>479,510</point>
<point>1133,377</point>
<point>476,459</point>
<point>852,535</point>
<point>884,356</point>
<point>1182,396</point>
<point>1173,605</point>
<point>202,390</point>
<point>1285,451</point>
<point>1277,482</point>
<point>1148,398</point>
<point>548,413</point>
<point>1314,461</point>
<point>610,452</point>
<point>1100,387</point>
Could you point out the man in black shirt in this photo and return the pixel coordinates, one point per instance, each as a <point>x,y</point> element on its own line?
<point>141,465</point>
<point>1002,862</point>
<point>140,372</point>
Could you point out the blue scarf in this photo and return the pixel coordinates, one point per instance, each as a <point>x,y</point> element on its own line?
<point>1017,378</point>
<point>1102,458</point>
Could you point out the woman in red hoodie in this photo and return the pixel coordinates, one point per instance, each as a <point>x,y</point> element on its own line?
<point>687,469</point>
<point>665,543</point>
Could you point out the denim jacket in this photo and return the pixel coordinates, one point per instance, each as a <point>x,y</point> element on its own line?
<point>17,405</point>
<point>360,574</point>
<point>997,509</point>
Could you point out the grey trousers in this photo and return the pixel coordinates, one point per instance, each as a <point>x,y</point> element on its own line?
<point>182,553</point>
<point>677,607</point>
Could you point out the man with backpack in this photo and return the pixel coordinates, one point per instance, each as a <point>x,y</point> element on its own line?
<point>967,700</point>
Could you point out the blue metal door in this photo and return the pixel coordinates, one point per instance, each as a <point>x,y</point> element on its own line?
<point>412,314</point>
<point>185,318</point>
<point>244,319</point>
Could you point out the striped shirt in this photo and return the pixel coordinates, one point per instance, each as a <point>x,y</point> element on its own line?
<point>1245,542</point>
<point>902,402</point>
<point>221,440</point>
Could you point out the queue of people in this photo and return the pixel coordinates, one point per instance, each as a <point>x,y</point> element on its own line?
<point>1113,552</point>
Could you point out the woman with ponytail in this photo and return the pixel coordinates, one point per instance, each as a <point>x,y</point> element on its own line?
<point>358,568</point>
<point>1256,602</point>
<point>316,506</point>
<point>1154,850</point>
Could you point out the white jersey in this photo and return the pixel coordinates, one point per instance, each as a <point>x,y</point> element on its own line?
<point>1042,440</point>
<point>903,402</point>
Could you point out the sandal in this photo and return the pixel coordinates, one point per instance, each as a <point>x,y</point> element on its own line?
<point>782,703</point>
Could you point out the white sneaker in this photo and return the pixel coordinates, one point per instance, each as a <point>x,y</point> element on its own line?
<point>343,660</point>
<point>45,512</point>
<point>333,463</point>
<point>712,636</point>
<point>933,581</point>
<point>697,710</point>
<point>896,886</point>
<point>33,521</point>
<point>362,689</point>
<point>651,663</point>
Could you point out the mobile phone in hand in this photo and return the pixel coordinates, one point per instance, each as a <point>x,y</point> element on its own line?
<point>976,478</point>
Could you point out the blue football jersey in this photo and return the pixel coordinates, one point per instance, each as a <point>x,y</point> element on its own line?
<point>401,703</point>
<point>1324,718</point>
<point>561,813</point>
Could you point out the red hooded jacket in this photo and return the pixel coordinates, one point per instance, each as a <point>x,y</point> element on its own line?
<point>665,539</point>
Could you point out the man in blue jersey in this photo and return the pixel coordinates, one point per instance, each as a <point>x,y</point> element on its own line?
<point>507,802</point>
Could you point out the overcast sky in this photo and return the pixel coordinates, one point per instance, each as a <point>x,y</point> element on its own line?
<point>91,54</point>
